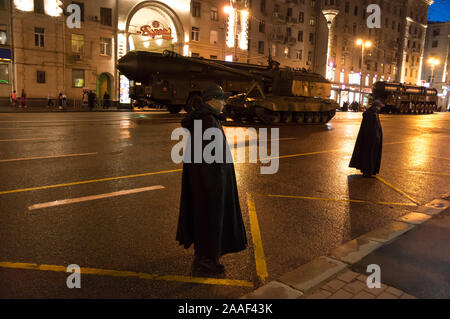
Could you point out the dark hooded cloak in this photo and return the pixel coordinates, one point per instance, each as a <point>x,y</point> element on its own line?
<point>368,148</point>
<point>210,214</point>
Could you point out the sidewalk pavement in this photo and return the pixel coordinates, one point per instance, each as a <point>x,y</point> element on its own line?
<point>10,109</point>
<point>413,253</point>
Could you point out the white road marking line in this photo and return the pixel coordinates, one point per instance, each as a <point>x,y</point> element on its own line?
<point>26,139</point>
<point>94,197</point>
<point>45,157</point>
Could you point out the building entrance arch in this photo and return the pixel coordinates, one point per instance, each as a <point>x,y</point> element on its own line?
<point>153,26</point>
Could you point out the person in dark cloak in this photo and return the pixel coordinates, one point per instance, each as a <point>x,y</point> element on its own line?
<point>91,100</point>
<point>210,215</point>
<point>368,148</point>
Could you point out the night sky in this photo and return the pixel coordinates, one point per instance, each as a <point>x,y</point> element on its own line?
<point>439,11</point>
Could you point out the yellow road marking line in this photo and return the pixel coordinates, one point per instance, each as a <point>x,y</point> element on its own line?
<point>87,182</point>
<point>260,259</point>
<point>397,189</point>
<point>26,139</point>
<point>140,275</point>
<point>431,173</point>
<point>444,158</point>
<point>45,157</point>
<point>94,197</point>
<point>338,200</point>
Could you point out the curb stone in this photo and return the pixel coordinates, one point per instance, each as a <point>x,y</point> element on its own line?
<point>306,279</point>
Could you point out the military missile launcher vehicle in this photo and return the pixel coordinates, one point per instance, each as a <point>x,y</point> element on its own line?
<point>267,94</point>
<point>406,99</point>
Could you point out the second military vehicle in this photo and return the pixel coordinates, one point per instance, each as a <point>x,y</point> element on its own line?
<point>406,99</point>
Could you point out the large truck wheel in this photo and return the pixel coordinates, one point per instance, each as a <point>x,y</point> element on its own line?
<point>174,109</point>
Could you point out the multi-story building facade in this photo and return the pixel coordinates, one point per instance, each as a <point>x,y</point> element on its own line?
<point>52,57</point>
<point>6,71</point>
<point>394,50</point>
<point>49,57</point>
<point>436,60</point>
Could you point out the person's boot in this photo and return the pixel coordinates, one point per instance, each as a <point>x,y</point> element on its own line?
<point>208,265</point>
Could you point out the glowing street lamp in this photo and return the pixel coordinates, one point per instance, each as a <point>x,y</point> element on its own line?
<point>433,62</point>
<point>364,44</point>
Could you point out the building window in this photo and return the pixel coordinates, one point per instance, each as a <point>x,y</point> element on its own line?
<point>196,8</point>
<point>312,21</point>
<point>195,55</point>
<point>195,34</point>
<point>309,56</point>
<point>354,29</point>
<point>299,54</point>
<point>81,5</point>
<point>262,27</point>
<point>261,47</point>
<point>274,50</point>
<point>77,78</point>
<point>40,76</point>
<point>106,16</point>
<point>106,46</point>
<point>343,60</point>
<point>301,17</point>
<point>436,32</point>
<point>213,57</point>
<point>3,37</point>
<point>347,7</point>
<point>300,36</point>
<point>342,76</point>
<point>214,14</point>
<point>313,3</point>
<point>356,11</point>
<point>213,37</point>
<point>434,44</point>
<point>2,4</point>
<point>39,6</point>
<point>311,38</point>
<point>39,37</point>
<point>77,43</point>
<point>263,5</point>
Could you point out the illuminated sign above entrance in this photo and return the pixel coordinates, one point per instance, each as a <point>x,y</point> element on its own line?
<point>156,30</point>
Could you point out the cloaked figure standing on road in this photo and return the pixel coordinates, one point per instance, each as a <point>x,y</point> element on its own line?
<point>210,214</point>
<point>368,149</point>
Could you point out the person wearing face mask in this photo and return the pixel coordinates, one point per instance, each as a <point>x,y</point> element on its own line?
<point>210,215</point>
<point>369,144</point>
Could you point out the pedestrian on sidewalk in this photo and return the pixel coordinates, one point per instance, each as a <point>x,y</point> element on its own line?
<point>106,100</point>
<point>50,101</point>
<point>64,101</point>
<point>369,144</point>
<point>60,100</point>
<point>14,99</point>
<point>91,100</point>
<point>23,99</point>
<point>210,214</point>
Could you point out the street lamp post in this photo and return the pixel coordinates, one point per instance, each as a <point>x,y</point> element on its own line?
<point>433,62</point>
<point>363,44</point>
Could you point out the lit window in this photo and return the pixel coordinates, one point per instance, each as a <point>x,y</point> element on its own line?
<point>214,37</point>
<point>3,37</point>
<point>77,43</point>
<point>105,46</point>
<point>78,78</point>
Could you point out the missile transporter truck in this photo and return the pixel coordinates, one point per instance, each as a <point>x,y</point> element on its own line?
<point>406,99</point>
<point>267,94</point>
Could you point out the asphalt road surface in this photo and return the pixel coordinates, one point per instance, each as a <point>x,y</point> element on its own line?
<point>60,174</point>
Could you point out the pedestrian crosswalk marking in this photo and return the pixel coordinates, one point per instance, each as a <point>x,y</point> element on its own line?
<point>93,197</point>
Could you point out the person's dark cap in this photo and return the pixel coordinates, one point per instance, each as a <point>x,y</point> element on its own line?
<point>214,92</point>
